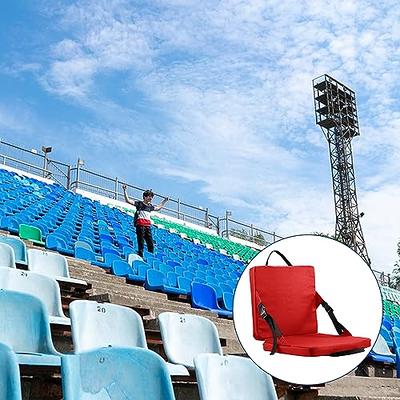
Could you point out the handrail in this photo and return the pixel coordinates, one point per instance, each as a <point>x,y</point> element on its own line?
<point>74,179</point>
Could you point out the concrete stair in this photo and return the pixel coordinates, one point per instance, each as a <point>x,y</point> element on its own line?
<point>361,388</point>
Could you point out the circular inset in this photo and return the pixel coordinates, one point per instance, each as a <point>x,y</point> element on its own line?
<point>323,270</point>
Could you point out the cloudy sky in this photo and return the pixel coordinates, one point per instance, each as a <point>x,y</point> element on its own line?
<point>211,101</point>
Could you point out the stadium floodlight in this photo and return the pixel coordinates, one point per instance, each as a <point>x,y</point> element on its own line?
<point>336,115</point>
<point>46,150</point>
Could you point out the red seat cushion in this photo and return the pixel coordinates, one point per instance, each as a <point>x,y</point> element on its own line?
<point>288,294</point>
<point>317,344</point>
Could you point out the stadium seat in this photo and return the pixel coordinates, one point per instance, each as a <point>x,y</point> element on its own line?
<point>157,281</point>
<point>51,264</point>
<point>10,385</point>
<point>10,224</point>
<point>19,247</point>
<point>184,336</point>
<point>116,373</point>
<point>227,300</point>
<point>58,243</point>
<point>25,328</point>
<point>7,258</point>
<point>122,268</point>
<point>95,325</point>
<point>43,287</point>
<point>32,233</point>
<point>205,297</point>
<point>232,377</point>
<point>381,352</point>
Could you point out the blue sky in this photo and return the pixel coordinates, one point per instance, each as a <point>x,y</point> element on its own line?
<point>211,101</point>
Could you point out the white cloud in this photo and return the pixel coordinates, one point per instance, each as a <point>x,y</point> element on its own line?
<point>233,83</point>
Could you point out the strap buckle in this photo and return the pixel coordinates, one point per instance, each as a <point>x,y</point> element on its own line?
<point>262,310</point>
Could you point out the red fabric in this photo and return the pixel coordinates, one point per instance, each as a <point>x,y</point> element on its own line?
<point>143,222</point>
<point>288,293</point>
<point>317,344</point>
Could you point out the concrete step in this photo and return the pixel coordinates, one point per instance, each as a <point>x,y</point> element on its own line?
<point>351,387</point>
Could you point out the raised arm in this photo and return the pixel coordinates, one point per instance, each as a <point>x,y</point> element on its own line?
<point>127,199</point>
<point>161,205</point>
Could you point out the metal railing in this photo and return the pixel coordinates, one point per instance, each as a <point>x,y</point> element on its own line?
<point>74,177</point>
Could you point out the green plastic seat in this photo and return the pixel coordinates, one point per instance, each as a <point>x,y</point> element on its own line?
<point>31,233</point>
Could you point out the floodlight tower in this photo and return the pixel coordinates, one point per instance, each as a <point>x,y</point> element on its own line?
<point>336,114</point>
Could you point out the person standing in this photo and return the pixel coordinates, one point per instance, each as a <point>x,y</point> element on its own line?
<point>142,219</point>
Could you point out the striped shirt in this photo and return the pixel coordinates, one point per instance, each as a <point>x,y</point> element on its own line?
<point>142,215</point>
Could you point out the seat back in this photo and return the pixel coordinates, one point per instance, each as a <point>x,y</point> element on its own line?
<point>19,248</point>
<point>134,257</point>
<point>116,373</point>
<point>30,232</point>
<point>48,263</point>
<point>43,287</point>
<point>381,347</point>
<point>232,377</point>
<point>24,323</point>
<point>10,386</point>
<point>184,336</point>
<point>7,257</point>
<point>289,296</point>
<point>95,325</point>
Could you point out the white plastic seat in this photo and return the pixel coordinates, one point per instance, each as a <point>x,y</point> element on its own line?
<point>116,374</point>
<point>134,257</point>
<point>185,336</point>
<point>7,256</point>
<point>41,286</point>
<point>96,325</point>
<point>232,377</point>
<point>19,247</point>
<point>10,386</point>
<point>25,328</point>
<point>51,264</point>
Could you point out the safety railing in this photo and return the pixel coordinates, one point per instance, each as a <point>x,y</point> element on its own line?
<point>77,177</point>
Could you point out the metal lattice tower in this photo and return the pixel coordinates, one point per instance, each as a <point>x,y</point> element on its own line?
<point>336,114</point>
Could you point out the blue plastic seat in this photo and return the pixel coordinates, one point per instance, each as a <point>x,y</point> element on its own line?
<point>205,297</point>
<point>10,385</point>
<point>25,328</point>
<point>116,373</point>
<point>10,224</point>
<point>122,268</point>
<point>58,243</point>
<point>19,248</point>
<point>157,280</point>
<point>386,335</point>
<point>381,352</point>
<point>227,301</point>
<point>232,377</point>
<point>185,284</point>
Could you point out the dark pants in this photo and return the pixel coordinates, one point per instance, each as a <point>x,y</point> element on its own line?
<point>143,233</point>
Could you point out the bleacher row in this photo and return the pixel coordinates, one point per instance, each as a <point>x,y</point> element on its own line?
<point>108,340</point>
<point>77,226</point>
<point>387,347</point>
<point>72,225</point>
<point>244,252</point>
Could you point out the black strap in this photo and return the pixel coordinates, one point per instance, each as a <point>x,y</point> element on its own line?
<point>272,324</point>
<point>340,329</point>
<point>289,264</point>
